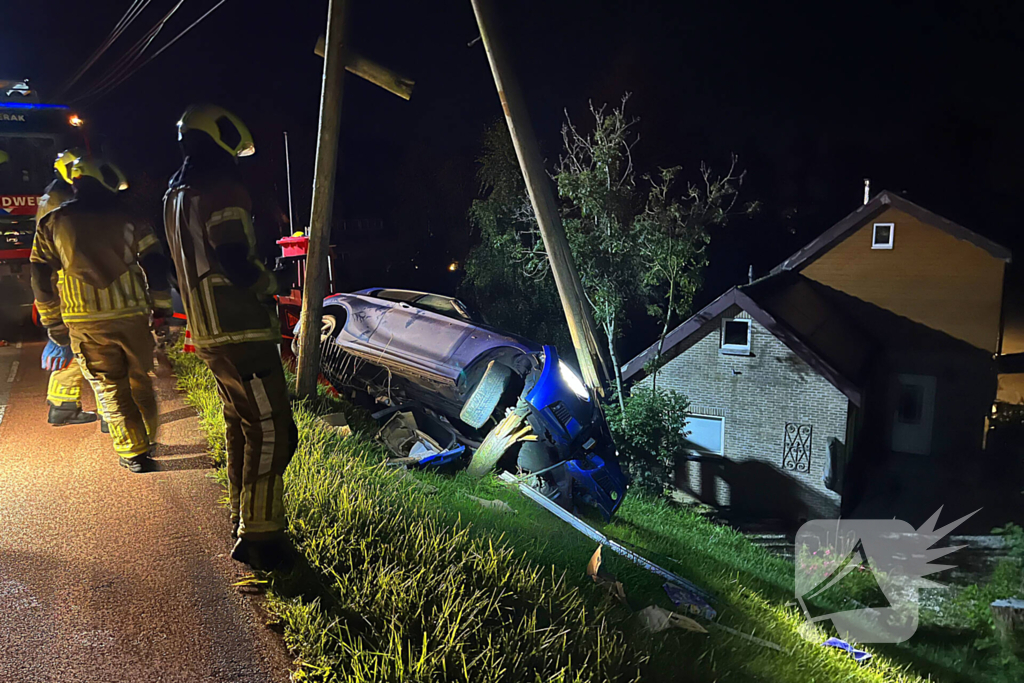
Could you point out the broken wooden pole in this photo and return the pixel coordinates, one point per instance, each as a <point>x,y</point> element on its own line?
<point>373,72</point>
<point>308,370</point>
<point>577,313</point>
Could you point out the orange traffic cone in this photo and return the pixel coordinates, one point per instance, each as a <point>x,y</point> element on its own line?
<point>189,347</point>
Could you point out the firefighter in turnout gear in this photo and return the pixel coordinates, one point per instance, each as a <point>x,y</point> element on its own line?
<point>64,391</point>
<point>228,298</point>
<point>103,304</point>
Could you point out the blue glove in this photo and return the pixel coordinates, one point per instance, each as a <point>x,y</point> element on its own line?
<point>56,357</point>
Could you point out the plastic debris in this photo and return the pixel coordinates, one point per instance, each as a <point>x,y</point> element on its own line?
<point>859,656</point>
<point>689,601</point>
<point>656,619</point>
<point>337,421</point>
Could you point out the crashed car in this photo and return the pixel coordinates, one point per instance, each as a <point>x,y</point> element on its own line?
<point>471,388</point>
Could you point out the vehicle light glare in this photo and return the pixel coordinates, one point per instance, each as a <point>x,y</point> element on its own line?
<point>570,377</point>
<point>75,121</point>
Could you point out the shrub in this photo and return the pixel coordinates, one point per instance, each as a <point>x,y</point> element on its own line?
<point>650,432</point>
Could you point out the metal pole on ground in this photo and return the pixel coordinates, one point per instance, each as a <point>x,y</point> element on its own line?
<point>582,327</point>
<point>323,202</point>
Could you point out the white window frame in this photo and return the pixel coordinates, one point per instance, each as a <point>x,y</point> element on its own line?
<point>721,437</point>
<point>874,233</point>
<point>735,349</point>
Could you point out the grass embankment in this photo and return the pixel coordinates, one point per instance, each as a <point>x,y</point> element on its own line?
<point>406,585</point>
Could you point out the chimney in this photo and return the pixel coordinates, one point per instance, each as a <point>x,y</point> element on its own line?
<point>867,190</point>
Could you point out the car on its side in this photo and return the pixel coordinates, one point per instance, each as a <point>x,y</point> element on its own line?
<point>416,348</point>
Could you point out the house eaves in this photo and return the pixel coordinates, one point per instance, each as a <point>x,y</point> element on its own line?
<point>736,297</point>
<point>841,230</point>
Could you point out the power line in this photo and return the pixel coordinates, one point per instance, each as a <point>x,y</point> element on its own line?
<point>110,79</point>
<point>176,38</point>
<point>126,19</point>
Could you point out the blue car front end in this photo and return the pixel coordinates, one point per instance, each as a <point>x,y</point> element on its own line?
<point>565,416</point>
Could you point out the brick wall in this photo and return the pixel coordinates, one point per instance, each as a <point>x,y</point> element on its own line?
<point>758,395</point>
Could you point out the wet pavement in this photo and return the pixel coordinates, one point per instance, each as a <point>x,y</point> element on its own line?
<point>109,576</point>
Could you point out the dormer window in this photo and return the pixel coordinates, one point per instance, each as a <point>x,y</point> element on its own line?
<point>882,236</point>
<point>736,337</point>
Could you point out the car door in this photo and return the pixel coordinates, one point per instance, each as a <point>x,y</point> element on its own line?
<point>422,338</point>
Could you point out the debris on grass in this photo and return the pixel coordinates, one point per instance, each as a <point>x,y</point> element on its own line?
<point>689,601</point>
<point>859,656</point>
<point>592,533</point>
<point>656,619</point>
<point>338,422</point>
<point>499,506</point>
<point>606,579</point>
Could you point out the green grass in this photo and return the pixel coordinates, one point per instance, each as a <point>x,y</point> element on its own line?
<point>404,585</point>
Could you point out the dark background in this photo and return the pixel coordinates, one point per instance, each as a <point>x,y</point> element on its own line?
<point>920,97</point>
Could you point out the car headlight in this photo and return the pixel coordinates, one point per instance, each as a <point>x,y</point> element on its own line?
<point>573,380</point>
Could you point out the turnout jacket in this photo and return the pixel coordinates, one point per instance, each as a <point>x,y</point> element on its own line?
<point>96,250</point>
<point>225,288</point>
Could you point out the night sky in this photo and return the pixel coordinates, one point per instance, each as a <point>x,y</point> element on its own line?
<point>922,98</point>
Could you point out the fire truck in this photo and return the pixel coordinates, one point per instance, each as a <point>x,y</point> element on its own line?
<point>32,132</point>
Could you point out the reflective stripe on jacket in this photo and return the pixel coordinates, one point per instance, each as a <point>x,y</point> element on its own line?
<point>200,216</point>
<point>98,253</point>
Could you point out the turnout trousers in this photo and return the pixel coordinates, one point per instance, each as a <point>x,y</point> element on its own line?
<point>65,387</point>
<point>260,434</point>
<point>116,357</point>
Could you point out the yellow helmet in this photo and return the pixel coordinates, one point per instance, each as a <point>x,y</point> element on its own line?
<point>106,173</point>
<point>65,160</point>
<point>226,129</point>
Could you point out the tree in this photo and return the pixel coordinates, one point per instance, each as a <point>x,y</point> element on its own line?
<point>673,234</point>
<point>635,249</point>
<point>497,280</point>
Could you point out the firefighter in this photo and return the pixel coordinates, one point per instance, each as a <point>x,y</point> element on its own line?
<point>228,298</point>
<point>103,307</point>
<point>64,391</point>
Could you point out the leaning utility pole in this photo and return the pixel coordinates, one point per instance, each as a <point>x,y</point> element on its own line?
<point>308,370</point>
<point>538,185</point>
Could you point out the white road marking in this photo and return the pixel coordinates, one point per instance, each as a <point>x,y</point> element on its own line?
<point>14,371</point>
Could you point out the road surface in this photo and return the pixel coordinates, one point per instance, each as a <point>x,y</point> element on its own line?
<point>109,576</point>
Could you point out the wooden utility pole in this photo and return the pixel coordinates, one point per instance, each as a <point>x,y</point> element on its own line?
<point>308,370</point>
<point>337,59</point>
<point>538,185</point>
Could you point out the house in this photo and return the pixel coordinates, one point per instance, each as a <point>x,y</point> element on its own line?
<point>855,379</point>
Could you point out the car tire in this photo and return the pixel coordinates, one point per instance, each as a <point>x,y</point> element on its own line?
<point>485,395</point>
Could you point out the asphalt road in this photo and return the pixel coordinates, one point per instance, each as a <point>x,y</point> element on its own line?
<point>109,576</point>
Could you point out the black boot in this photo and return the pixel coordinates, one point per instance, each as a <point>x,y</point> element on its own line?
<point>104,427</point>
<point>69,414</point>
<point>266,556</point>
<point>138,464</point>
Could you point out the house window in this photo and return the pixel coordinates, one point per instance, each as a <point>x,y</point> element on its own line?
<point>706,434</point>
<point>736,337</point>
<point>882,236</point>
<point>914,414</point>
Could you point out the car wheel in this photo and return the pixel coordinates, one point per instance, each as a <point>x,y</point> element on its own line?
<point>485,395</point>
